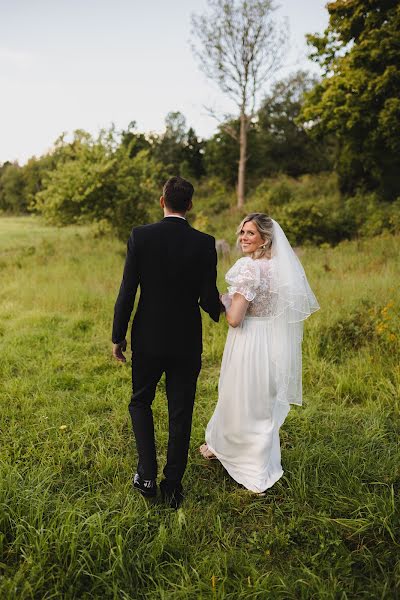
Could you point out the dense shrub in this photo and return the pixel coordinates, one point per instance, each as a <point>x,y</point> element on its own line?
<point>310,209</point>
<point>367,323</point>
<point>213,196</point>
<point>369,216</point>
<point>280,192</point>
<point>97,180</point>
<point>347,334</point>
<point>314,222</point>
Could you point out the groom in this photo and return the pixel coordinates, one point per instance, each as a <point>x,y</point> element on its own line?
<point>175,267</point>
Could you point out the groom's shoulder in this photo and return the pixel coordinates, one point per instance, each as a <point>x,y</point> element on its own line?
<point>204,237</point>
<point>154,228</point>
<point>144,232</point>
<point>140,230</point>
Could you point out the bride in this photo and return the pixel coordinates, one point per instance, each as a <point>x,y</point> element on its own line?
<point>267,302</point>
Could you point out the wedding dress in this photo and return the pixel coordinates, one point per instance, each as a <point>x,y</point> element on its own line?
<point>261,365</point>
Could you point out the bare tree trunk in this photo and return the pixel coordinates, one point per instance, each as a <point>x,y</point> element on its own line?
<point>242,161</point>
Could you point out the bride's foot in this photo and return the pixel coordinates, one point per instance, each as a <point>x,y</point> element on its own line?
<point>206,453</point>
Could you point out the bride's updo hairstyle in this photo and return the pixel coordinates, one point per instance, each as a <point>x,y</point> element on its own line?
<point>265,227</point>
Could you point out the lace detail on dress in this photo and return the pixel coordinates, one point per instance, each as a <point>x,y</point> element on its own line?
<point>252,278</point>
<point>243,278</point>
<point>263,305</point>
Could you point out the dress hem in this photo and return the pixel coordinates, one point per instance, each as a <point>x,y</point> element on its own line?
<point>242,480</point>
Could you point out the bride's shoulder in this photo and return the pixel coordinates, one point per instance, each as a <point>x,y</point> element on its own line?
<point>244,267</point>
<point>242,263</point>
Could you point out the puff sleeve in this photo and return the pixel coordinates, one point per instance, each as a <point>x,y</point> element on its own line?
<point>244,278</point>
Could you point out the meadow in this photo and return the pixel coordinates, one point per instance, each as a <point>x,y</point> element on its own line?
<point>70,524</point>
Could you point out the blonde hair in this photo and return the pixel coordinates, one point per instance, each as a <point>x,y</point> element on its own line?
<point>265,227</point>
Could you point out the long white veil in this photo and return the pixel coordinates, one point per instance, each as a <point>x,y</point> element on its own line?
<point>293,302</point>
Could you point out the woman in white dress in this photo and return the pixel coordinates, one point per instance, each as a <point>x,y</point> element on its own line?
<point>267,301</point>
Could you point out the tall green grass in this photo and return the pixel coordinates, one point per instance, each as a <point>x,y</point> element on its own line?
<point>70,524</point>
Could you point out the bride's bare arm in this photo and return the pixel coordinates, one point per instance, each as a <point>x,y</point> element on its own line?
<point>235,313</point>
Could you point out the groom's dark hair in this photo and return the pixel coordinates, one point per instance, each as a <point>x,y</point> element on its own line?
<point>178,194</point>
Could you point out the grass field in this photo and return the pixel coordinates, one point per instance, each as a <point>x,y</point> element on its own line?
<point>70,525</point>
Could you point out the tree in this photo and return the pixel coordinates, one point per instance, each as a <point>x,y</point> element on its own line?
<point>168,147</point>
<point>276,142</point>
<point>358,100</point>
<point>221,152</point>
<point>284,145</point>
<point>12,189</point>
<point>179,148</point>
<point>133,140</point>
<point>20,184</point>
<point>35,172</point>
<point>239,47</point>
<point>193,156</point>
<point>96,180</point>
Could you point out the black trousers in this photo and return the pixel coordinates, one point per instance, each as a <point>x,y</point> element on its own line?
<point>181,378</point>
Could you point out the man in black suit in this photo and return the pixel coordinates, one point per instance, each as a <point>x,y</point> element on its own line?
<point>175,267</point>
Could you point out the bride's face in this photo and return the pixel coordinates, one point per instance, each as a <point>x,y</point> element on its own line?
<point>250,238</point>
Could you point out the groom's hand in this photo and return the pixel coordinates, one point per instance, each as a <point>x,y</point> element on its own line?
<point>117,351</point>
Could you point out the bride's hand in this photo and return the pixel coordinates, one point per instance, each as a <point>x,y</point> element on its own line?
<point>226,300</point>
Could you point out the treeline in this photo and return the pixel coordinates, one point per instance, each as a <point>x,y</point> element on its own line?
<point>116,176</point>
<point>347,123</point>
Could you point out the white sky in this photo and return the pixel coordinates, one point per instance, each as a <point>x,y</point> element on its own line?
<point>69,64</point>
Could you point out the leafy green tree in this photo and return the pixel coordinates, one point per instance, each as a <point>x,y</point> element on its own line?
<point>193,156</point>
<point>179,148</point>
<point>19,184</point>
<point>221,153</point>
<point>134,140</point>
<point>283,143</point>
<point>168,147</point>
<point>358,100</point>
<point>34,172</point>
<point>277,143</point>
<point>12,189</point>
<point>97,180</point>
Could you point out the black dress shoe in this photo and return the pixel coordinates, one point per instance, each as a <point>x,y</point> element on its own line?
<point>171,494</point>
<point>147,487</point>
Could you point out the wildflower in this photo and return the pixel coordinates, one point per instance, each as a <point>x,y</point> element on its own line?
<point>63,427</point>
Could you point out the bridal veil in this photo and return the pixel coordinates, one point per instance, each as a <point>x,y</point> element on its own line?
<point>293,302</point>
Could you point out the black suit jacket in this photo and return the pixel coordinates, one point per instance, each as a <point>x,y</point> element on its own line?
<point>175,267</point>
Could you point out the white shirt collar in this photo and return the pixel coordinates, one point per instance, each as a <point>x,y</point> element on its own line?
<point>175,215</point>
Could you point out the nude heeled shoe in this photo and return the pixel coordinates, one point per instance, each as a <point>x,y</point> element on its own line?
<point>206,453</point>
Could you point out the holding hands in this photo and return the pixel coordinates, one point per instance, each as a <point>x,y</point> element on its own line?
<point>225,300</point>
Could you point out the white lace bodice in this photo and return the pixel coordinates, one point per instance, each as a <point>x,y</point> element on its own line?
<point>251,278</point>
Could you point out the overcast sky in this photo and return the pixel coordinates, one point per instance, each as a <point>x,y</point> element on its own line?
<point>69,64</point>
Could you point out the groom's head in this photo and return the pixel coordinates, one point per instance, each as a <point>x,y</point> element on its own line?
<point>177,195</point>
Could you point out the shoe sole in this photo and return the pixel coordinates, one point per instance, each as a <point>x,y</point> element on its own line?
<point>145,494</point>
